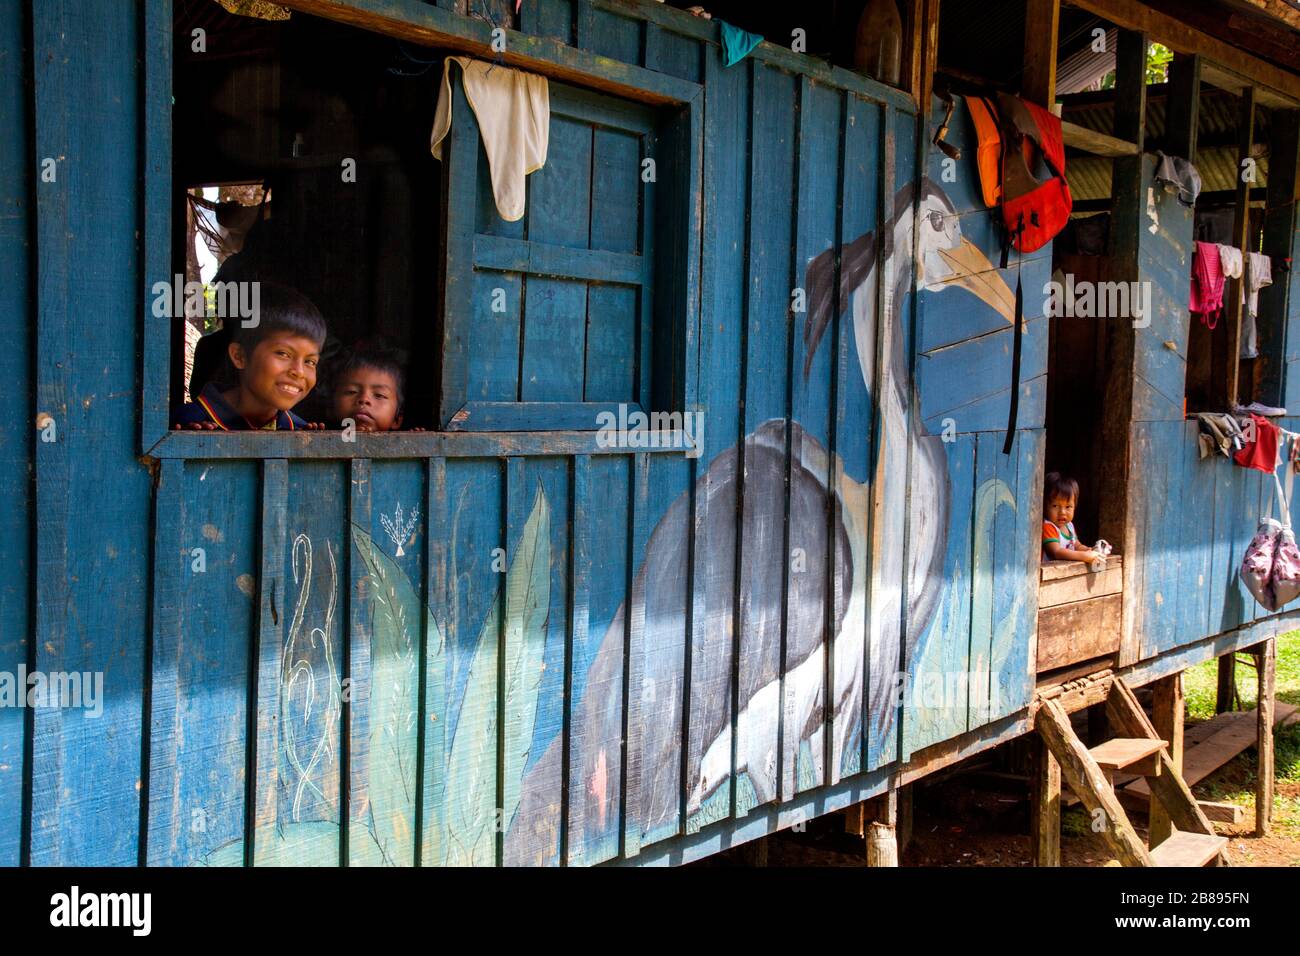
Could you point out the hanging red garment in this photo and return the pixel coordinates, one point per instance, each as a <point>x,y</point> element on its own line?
<point>1207,284</point>
<point>1261,454</point>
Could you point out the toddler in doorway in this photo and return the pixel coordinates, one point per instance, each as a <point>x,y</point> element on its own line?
<point>1060,541</point>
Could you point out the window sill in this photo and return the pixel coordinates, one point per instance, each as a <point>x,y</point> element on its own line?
<point>331,444</point>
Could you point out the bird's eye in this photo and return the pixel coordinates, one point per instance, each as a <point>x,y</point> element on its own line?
<point>936,220</point>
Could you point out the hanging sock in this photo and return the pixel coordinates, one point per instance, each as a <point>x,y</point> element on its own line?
<point>736,43</point>
<point>513,109</point>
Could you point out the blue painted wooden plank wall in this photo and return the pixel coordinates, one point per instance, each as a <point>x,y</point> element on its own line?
<point>554,659</point>
<point>92,493</point>
<point>17,319</point>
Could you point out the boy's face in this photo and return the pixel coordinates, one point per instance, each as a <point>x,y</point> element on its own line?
<point>280,371</point>
<point>368,396</point>
<point>1060,510</point>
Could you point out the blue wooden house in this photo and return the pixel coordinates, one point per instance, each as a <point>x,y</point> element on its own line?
<point>507,639</point>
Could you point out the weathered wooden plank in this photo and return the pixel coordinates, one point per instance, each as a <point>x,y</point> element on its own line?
<point>548,18</point>
<point>860,203</point>
<point>719,490</point>
<point>601,544</point>
<point>1018,667</point>
<point>460,811</point>
<point>554,339</point>
<point>613,36</point>
<point>763,560</point>
<point>665,651</point>
<point>983,570</point>
<point>432,715</point>
<point>1045,808</point>
<point>1167,714</point>
<point>157,42</point>
<point>17,322</point>
<point>1266,677</point>
<point>635,688</point>
<point>272,613</point>
<point>92,495</point>
<point>205,582</point>
<point>812,542</point>
<point>536,622</point>
<point>300,782</point>
<point>936,705</point>
<point>390,521</point>
<point>1079,631</point>
<point>1079,587</point>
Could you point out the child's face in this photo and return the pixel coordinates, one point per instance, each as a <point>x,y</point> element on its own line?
<point>1060,511</point>
<point>368,396</point>
<point>280,371</point>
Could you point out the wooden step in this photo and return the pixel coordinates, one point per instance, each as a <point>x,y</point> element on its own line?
<point>1120,752</point>
<point>1188,849</point>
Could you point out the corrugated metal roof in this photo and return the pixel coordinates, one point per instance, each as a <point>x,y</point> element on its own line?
<point>1089,176</point>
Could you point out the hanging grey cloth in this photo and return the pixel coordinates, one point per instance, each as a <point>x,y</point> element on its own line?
<point>1176,173</point>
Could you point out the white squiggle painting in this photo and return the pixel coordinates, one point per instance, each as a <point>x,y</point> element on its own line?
<point>299,683</point>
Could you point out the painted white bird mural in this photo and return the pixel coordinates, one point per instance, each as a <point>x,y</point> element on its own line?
<point>946,260</point>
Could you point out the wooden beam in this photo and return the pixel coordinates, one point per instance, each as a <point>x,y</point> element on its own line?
<point>1045,808</point>
<point>1266,674</point>
<point>1042,21</point>
<point>1128,204</point>
<point>431,25</point>
<point>1278,10</point>
<point>1279,242</point>
<point>921,57</point>
<point>1225,698</point>
<point>1099,144</point>
<point>1279,84</point>
<point>1182,106</point>
<point>1089,783</point>
<point>1167,718</point>
<point>1233,292</point>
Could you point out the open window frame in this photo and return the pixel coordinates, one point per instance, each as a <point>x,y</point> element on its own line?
<point>436,26</point>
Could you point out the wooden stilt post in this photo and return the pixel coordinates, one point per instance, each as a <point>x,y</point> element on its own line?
<point>1225,698</point>
<point>880,817</point>
<point>1266,674</point>
<point>1167,717</point>
<point>904,817</point>
<point>1045,807</point>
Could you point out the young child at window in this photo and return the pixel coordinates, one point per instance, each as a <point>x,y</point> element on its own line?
<point>368,391</point>
<point>1060,542</point>
<point>276,362</point>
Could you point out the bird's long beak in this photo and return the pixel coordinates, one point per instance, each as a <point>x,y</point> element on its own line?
<point>972,271</point>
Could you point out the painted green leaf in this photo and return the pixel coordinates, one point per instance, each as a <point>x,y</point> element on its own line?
<point>471,771</point>
<point>296,844</point>
<point>394,700</point>
<point>471,768</point>
<point>528,603</point>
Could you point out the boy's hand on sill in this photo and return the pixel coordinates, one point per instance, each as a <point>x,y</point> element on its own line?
<point>315,426</point>
<point>195,427</point>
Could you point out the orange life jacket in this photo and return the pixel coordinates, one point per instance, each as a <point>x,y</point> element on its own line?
<point>1010,134</point>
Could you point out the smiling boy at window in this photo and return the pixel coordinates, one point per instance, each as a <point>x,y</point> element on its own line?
<point>276,359</point>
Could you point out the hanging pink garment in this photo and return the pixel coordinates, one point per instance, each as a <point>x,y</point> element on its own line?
<point>1207,284</point>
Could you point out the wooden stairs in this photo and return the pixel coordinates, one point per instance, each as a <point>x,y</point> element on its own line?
<point>1090,774</point>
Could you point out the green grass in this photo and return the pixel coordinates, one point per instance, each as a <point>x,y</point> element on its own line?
<point>1236,783</point>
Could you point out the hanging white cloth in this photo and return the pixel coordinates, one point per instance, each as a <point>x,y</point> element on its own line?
<point>513,109</point>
